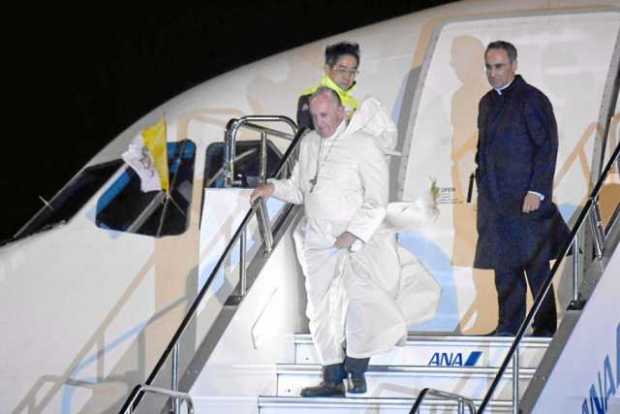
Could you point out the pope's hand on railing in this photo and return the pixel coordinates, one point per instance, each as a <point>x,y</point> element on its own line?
<point>263,190</point>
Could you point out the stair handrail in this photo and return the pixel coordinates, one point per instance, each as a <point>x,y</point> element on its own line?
<point>461,400</point>
<point>258,208</point>
<point>178,396</point>
<point>589,210</point>
<point>230,139</point>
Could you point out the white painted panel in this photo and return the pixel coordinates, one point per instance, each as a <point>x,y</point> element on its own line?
<point>587,373</point>
<point>261,333</point>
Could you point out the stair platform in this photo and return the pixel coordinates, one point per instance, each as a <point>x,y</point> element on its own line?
<point>398,381</point>
<point>299,405</point>
<point>443,351</point>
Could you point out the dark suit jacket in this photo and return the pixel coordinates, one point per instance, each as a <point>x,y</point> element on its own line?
<point>517,150</point>
<point>304,117</point>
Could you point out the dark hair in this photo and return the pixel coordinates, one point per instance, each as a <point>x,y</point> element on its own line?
<point>510,49</point>
<point>335,51</point>
<point>323,90</point>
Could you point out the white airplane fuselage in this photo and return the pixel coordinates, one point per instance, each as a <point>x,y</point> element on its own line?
<point>87,311</point>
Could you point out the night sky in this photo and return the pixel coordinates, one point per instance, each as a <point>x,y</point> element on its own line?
<point>78,76</point>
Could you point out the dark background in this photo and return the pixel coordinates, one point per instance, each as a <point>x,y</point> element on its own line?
<point>78,76</point>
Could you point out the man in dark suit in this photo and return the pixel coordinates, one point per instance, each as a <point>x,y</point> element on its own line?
<point>519,227</point>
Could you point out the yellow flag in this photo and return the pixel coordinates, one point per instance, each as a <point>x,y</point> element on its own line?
<point>155,140</point>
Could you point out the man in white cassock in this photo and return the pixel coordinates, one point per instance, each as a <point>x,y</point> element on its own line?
<point>348,257</point>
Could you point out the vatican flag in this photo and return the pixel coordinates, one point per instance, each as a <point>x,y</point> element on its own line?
<point>156,141</point>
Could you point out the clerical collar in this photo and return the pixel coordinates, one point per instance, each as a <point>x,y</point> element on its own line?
<point>499,90</point>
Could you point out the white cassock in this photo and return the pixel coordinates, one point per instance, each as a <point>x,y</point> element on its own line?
<point>352,295</point>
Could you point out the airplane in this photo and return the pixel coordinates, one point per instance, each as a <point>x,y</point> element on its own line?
<point>114,299</point>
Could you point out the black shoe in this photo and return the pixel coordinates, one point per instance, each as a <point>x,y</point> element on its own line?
<point>331,386</point>
<point>324,389</point>
<point>499,332</point>
<point>503,333</point>
<point>356,384</point>
<point>542,333</point>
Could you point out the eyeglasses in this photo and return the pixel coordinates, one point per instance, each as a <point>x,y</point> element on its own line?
<point>343,70</point>
<point>496,66</point>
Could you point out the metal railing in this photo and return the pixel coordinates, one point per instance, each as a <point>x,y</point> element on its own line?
<point>177,397</point>
<point>230,138</point>
<point>257,209</point>
<point>461,401</point>
<point>590,213</point>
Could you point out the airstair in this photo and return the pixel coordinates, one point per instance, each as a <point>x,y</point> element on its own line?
<point>217,369</point>
<point>456,364</point>
<point>251,352</point>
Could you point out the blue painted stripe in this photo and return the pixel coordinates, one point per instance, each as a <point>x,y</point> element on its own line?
<point>439,265</point>
<point>473,358</point>
<point>112,192</point>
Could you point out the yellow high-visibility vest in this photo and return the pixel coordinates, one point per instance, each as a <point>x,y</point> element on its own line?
<point>348,101</point>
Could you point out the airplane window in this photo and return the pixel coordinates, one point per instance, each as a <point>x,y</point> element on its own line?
<point>71,198</point>
<point>124,207</point>
<point>246,167</point>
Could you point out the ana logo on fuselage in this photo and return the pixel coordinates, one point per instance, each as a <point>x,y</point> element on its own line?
<point>605,386</point>
<point>453,359</point>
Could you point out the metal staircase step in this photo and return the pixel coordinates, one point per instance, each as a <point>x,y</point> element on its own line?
<point>298,405</point>
<point>407,381</point>
<point>443,351</point>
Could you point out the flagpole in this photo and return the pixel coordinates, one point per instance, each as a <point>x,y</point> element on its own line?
<point>169,199</point>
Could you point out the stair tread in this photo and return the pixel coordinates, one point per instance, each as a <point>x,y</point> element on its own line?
<point>405,370</point>
<point>266,400</point>
<point>506,341</point>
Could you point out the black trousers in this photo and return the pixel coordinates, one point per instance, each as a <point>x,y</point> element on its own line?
<point>356,366</point>
<point>335,373</point>
<point>511,296</point>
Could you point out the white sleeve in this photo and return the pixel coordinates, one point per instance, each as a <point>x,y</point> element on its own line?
<point>542,197</point>
<point>290,189</point>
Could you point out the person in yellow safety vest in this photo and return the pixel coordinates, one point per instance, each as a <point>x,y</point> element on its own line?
<point>341,63</point>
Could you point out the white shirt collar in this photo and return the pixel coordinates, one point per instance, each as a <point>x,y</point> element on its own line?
<point>499,90</point>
